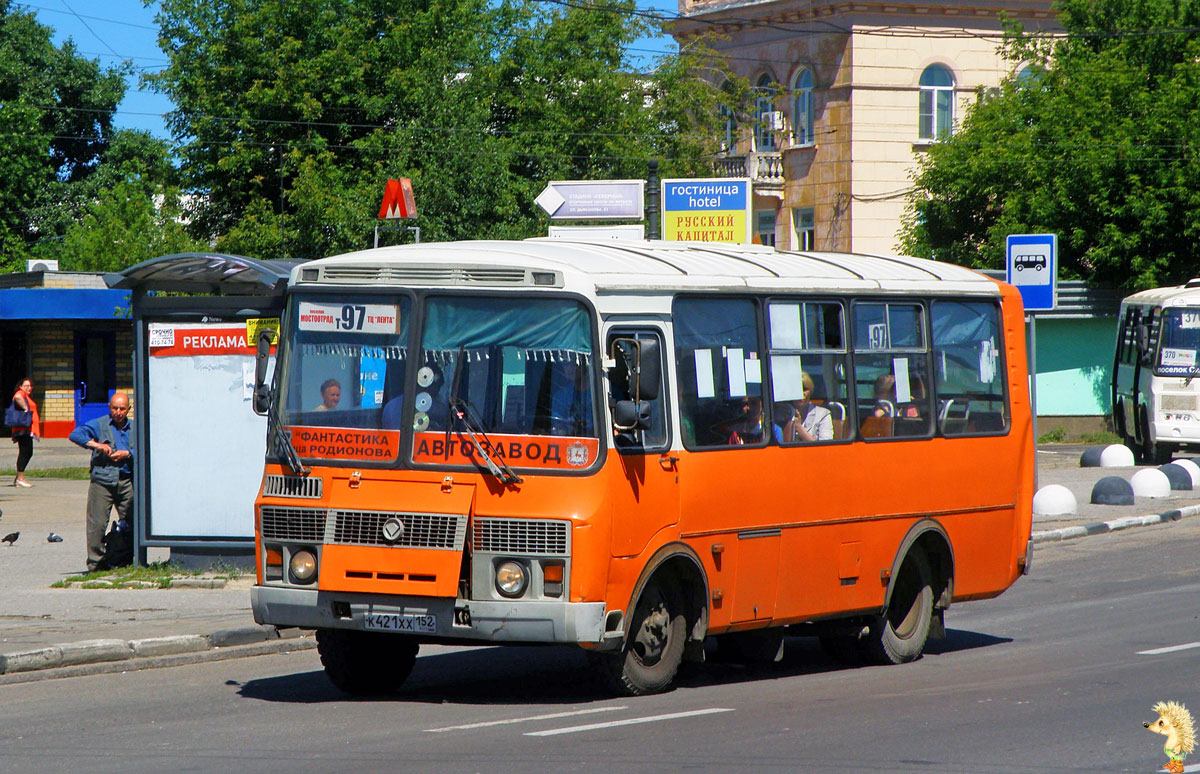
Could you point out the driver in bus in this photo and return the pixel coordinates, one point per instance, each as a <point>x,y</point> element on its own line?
<point>331,395</point>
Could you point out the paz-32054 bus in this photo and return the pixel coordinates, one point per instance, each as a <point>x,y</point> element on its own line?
<point>634,447</point>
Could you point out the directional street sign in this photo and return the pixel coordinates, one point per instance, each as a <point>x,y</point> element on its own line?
<point>593,199</point>
<point>1031,265</point>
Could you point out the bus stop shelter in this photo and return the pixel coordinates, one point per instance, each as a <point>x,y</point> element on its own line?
<point>199,445</point>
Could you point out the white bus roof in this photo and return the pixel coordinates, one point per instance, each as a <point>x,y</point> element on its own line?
<point>617,266</point>
<point>1178,295</point>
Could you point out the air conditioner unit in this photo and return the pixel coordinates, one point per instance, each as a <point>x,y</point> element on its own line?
<point>773,120</point>
<point>41,265</point>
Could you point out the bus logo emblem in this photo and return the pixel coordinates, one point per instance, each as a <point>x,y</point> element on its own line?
<point>393,530</point>
<point>577,455</point>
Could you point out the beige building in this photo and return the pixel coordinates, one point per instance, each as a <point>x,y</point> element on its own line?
<point>848,97</point>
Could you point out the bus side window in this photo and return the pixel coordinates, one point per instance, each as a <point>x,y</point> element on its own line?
<point>807,366</point>
<point>968,368</point>
<point>891,372</point>
<point>719,363</point>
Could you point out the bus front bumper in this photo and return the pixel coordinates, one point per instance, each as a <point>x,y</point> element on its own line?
<point>475,620</point>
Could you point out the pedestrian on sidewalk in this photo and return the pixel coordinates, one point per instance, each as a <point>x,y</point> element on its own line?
<point>24,437</point>
<point>109,440</point>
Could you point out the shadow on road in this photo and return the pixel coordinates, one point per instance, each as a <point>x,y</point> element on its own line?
<point>561,675</point>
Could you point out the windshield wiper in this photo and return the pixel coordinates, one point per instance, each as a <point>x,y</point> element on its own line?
<point>460,408</point>
<point>291,458</point>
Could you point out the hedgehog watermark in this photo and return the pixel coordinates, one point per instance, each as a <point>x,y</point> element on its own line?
<point>1175,723</point>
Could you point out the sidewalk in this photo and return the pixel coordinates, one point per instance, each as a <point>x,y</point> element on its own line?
<point>43,627</point>
<point>46,632</point>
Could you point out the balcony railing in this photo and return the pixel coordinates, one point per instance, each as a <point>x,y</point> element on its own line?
<point>764,168</point>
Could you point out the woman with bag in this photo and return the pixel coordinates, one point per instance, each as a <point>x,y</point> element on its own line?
<point>24,435</point>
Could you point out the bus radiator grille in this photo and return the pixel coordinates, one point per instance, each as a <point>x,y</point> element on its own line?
<point>305,525</point>
<point>540,537</point>
<point>421,530</point>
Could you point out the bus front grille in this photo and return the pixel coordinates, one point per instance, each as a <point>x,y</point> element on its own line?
<point>421,530</point>
<point>293,486</point>
<point>541,537</point>
<point>305,525</point>
<point>446,531</point>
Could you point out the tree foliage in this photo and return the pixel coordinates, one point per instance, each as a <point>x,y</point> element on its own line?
<point>55,123</point>
<point>1099,146</point>
<point>292,115</point>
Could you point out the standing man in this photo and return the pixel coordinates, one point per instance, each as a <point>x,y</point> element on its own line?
<point>111,472</point>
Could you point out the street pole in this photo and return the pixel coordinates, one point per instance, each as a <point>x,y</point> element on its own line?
<point>652,202</point>
<point>1030,321</point>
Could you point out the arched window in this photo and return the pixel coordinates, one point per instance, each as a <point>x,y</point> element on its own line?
<point>764,114</point>
<point>1026,76</point>
<point>803,109</point>
<point>936,115</point>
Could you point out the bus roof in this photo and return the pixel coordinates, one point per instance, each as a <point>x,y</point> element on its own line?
<point>618,266</point>
<point>1177,295</point>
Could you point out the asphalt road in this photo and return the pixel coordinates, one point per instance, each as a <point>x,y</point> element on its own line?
<point>1051,676</point>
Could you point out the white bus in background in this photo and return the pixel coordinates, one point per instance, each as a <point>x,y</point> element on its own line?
<point>1156,376</point>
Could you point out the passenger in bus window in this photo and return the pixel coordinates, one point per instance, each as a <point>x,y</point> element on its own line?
<point>748,427</point>
<point>331,395</point>
<point>809,421</point>
<point>885,396</point>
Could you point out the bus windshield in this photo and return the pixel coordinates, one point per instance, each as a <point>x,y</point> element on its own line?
<point>345,363</point>
<point>1180,341</point>
<point>519,367</point>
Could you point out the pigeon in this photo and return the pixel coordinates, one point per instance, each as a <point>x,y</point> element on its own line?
<point>52,538</point>
<point>10,538</point>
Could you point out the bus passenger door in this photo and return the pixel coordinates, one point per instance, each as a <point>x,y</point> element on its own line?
<point>645,492</point>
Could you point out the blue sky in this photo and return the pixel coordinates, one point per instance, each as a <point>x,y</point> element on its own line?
<point>113,31</point>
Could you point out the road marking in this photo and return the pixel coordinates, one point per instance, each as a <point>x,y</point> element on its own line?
<point>629,722</point>
<point>510,721</point>
<point>1172,649</point>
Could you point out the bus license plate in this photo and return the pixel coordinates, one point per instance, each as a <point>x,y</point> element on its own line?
<point>396,622</point>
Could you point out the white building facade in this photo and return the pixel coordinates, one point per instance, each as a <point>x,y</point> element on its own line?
<point>848,97</point>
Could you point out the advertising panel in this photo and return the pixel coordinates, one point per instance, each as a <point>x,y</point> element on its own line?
<point>707,210</point>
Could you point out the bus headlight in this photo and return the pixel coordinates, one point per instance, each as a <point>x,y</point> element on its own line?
<point>511,579</point>
<point>303,566</point>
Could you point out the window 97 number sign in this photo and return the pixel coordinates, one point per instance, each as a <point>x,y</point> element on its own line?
<point>349,318</point>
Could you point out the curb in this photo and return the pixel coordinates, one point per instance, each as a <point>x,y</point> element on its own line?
<point>120,655</point>
<point>1104,527</point>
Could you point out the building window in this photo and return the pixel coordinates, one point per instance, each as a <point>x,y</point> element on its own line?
<point>765,116</point>
<point>806,232</point>
<point>764,227</point>
<point>936,115</point>
<point>803,109</point>
<point>728,123</point>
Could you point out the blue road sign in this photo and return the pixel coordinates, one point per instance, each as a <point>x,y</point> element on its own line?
<point>1031,264</point>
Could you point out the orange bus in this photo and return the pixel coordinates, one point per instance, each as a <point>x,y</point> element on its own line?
<point>635,447</point>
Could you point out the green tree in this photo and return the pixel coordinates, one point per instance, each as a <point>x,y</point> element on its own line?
<point>1097,143</point>
<point>55,122</point>
<point>291,116</point>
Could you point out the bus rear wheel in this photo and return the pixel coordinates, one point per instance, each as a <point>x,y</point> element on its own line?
<point>366,663</point>
<point>653,650</point>
<point>898,636</point>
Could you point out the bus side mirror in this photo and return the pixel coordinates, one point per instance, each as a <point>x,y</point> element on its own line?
<point>649,370</point>
<point>262,393</point>
<point>629,415</point>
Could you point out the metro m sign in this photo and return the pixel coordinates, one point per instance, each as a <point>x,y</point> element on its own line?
<point>398,201</point>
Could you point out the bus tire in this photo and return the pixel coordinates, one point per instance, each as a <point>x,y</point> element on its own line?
<point>653,650</point>
<point>898,636</point>
<point>366,663</point>
<point>1153,453</point>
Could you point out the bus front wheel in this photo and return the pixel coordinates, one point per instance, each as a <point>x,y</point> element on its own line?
<point>652,652</point>
<point>898,636</point>
<point>366,663</point>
